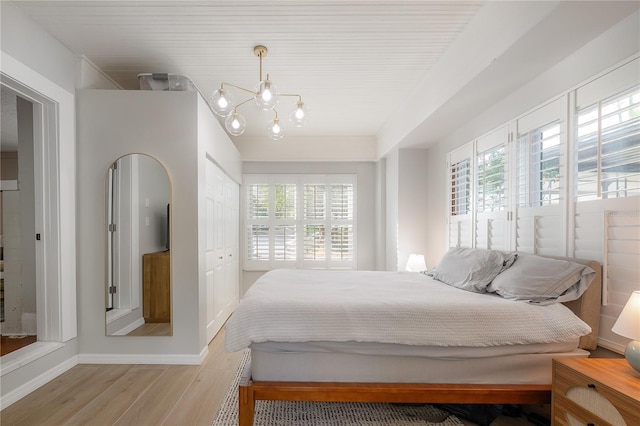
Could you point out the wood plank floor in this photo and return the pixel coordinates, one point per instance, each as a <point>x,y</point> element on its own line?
<point>137,395</point>
<point>102,395</point>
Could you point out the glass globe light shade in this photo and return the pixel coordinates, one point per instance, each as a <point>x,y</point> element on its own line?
<point>267,95</point>
<point>235,124</point>
<point>222,103</point>
<point>299,115</point>
<point>275,130</point>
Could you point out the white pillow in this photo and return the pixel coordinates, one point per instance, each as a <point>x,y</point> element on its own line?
<point>541,280</point>
<point>471,269</point>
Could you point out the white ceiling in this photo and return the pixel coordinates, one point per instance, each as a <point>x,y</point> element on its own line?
<point>356,63</point>
<point>342,57</point>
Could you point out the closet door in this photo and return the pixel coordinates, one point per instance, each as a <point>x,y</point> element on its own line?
<point>215,253</point>
<point>231,263</point>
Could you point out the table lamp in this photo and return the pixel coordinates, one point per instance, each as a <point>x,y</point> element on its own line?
<point>628,325</point>
<point>416,263</point>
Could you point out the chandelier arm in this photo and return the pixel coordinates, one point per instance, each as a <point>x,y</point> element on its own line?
<point>242,103</point>
<point>239,88</point>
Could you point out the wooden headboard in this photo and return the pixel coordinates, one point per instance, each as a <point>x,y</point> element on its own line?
<point>588,306</point>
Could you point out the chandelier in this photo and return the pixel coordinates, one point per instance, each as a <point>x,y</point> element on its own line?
<point>265,96</point>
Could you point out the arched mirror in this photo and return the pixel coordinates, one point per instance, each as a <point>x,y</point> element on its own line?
<point>138,281</point>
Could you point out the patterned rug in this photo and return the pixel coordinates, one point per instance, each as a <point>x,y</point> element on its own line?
<point>291,413</point>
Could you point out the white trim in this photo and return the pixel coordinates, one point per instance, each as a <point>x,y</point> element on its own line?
<point>171,359</point>
<point>36,382</point>
<point>204,353</point>
<point>612,346</point>
<point>128,328</point>
<point>115,313</point>
<point>26,355</point>
<point>81,81</point>
<point>8,185</point>
<point>54,164</point>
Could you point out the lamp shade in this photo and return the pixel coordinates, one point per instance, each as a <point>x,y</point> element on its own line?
<point>267,95</point>
<point>235,124</point>
<point>275,130</point>
<point>628,323</point>
<point>416,263</point>
<point>299,115</point>
<point>222,103</point>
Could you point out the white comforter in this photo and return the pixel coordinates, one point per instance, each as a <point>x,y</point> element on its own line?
<point>388,307</point>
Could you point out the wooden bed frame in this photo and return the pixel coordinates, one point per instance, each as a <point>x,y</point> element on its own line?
<point>587,308</point>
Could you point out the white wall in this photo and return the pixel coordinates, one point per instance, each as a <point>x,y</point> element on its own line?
<point>89,76</point>
<point>48,64</point>
<point>29,43</point>
<point>162,125</point>
<point>381,214</point>
<point>392,202</point>
<point>412,204</point>
<point>406,204</point>
<point>320,148</point>
<point>612,47</point>
<point>366,208</point>
<point>178,130</point>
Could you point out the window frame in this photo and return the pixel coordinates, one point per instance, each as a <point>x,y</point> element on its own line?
<point>600,143</point>
<point>299,221</point>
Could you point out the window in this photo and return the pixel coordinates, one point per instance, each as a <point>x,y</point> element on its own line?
<point>461,187</point>
<point>539,166</point>
<point>608,147</point>
<point>302,221</point>
<point>490,183</point>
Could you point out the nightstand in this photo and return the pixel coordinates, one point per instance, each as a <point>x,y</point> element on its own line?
<point>595,391</point>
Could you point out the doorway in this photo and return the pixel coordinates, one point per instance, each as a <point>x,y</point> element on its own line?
<point>18,266</point>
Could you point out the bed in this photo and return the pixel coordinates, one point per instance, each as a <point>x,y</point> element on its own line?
<point>363,355</point>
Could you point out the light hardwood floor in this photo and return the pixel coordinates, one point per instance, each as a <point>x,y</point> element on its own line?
<point>131,394</point>
<point>101,395</point>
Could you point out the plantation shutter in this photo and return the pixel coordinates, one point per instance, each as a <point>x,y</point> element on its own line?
<point>460,225</point>
<point>541,181</point>
<point>491,190</point>
<point>300,221</point>
<point>342,222</point>
<point>284,230</point>
<point>608,147</point>
<point>315,218</point>
<point>607,182</point>
<point>257,222</point>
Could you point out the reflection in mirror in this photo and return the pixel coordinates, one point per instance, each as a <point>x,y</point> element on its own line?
<point>138,289</point>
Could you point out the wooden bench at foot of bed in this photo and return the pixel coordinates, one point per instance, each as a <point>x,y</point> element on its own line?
<point>250,391</point>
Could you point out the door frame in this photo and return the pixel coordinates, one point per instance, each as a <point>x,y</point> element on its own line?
<point>54,167</point>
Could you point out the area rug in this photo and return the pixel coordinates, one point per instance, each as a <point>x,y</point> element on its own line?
<point>293,413</point>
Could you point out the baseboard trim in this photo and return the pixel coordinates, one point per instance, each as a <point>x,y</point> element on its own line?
<point>612,346</point>
<point>36,382</point>
<point>129,328</point>
<point>204,353</point>
<point>173,359</point>
<point>23,356</point>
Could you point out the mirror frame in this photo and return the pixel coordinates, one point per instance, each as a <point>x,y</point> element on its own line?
<point>138,288</point>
